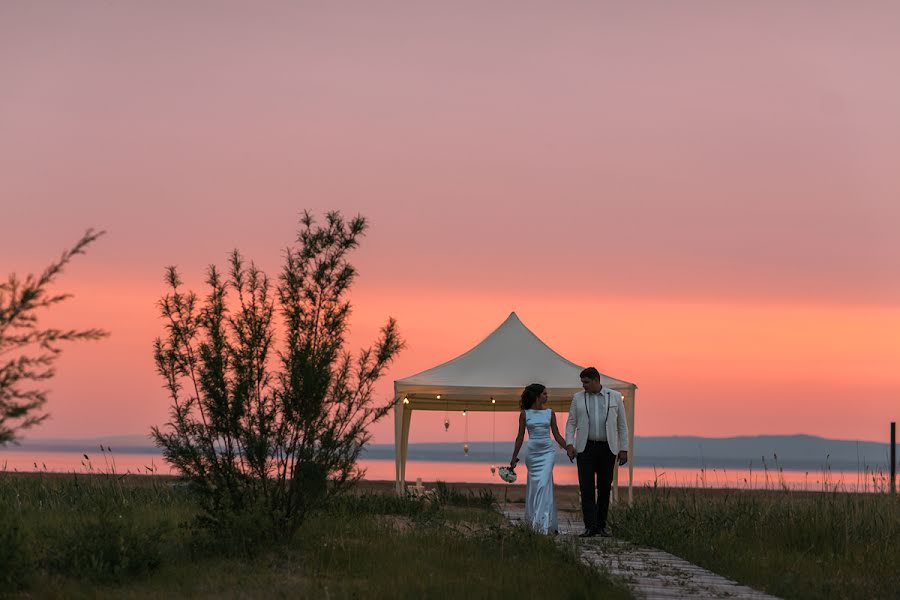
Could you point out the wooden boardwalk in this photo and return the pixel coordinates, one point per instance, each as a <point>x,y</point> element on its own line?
<point>650,574</point>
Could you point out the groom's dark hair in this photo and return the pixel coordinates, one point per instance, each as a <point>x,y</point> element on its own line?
<point>590,373</point>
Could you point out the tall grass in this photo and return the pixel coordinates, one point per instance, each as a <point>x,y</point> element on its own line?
<point>70,536</point>
<point>792,544</point>
<point>99,528</point>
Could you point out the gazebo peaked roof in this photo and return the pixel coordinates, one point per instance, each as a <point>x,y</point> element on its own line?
<point>490,377</point>
<point>507,360</point>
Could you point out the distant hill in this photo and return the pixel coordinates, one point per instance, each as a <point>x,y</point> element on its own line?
<point>123,444</point>
<point>796,452</point>
<point>793,452</point>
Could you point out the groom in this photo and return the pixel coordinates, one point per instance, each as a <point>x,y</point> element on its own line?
<point>597,433</point>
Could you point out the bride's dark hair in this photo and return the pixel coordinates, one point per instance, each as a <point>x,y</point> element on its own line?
<point>530,395</point>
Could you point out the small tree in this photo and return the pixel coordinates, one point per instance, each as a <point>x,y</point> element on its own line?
<point>260,430</point>
<point>28,352</point>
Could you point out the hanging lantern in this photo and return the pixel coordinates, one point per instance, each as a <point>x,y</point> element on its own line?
<point>493,469</point>
<point>466,436</point>
<point>493,433</point>
<point>446,424</point>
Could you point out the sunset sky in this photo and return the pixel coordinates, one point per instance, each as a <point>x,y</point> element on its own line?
<point>699,197</point>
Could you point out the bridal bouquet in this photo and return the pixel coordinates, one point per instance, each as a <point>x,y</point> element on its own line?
<point>508,474</point>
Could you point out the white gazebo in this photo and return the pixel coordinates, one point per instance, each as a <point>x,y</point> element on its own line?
<point>491,377</point>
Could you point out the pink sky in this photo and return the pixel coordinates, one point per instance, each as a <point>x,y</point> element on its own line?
<point>698,197</point>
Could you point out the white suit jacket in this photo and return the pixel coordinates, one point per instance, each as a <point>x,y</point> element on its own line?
<point>577,426</point>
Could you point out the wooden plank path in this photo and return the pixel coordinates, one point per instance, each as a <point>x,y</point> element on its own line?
<point>649,573</point>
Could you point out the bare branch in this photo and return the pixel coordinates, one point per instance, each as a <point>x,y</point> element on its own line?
<point>34,349</point>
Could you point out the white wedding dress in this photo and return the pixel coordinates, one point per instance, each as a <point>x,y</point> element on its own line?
<point>540,505</point>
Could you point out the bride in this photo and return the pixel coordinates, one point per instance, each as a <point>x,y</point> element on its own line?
<point>540,506</point>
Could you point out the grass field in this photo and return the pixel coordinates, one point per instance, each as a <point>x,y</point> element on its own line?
<point>67,536</point>
<point>794,544</point>
<point>100,536</point>
<point>791,544</point>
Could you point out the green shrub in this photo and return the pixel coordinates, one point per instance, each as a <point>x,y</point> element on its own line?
<point>234,533</point>
<point>106,547</point>
<point>447,495</point>
<point>254,423</point>
<point>15,555</point>
<point>381,504</point>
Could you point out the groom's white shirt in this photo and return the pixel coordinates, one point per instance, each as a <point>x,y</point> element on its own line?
<point>578,424</point>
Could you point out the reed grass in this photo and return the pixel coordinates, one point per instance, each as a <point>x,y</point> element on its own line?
<point>792,544</point>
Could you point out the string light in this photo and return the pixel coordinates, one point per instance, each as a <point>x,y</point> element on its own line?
<point>406,400</point>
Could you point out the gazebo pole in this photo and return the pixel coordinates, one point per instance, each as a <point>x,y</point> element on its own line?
<point>404,443</point>
<point>629,415</point>
<point>398,444</point>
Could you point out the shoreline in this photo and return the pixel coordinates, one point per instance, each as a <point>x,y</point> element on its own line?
<point>567,495</point>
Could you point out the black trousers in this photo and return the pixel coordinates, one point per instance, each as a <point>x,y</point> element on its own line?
<point>595,475</point>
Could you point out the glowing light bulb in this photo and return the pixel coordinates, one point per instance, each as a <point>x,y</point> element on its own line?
<point>464,413</point>
<point>406,400</point>
<point>446,424</point>
<point>466,449</point>
<point>438,396</point>
<point>493,401</point>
